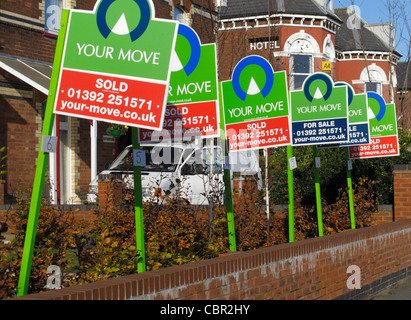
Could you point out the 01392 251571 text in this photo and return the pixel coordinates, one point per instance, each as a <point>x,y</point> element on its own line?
<point>108,98</point>
<point>258,134</point>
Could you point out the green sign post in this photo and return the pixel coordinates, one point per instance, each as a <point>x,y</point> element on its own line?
<point>227,181</point>
<point>359,134</point>
<point>319,115</point>
<point>32,221</point>
<point>111,64</point>
<point>290,174</point>
<point>254,107</point>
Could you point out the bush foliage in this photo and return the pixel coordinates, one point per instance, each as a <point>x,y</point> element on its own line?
<point>175,233</point>
<point>333,176</point>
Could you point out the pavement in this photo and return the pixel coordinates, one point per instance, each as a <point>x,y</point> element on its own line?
<point>399,291</point>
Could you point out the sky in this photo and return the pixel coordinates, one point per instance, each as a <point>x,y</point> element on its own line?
<point>376,11</point>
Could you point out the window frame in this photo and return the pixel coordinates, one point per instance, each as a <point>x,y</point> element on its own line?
<point>294,74</point>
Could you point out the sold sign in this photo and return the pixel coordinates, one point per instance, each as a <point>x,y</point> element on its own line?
<point>192,95</point>
<point>255,104</point>
<point>114,68</point>
<point>383,130</point>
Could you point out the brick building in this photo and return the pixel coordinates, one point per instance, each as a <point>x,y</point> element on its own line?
<point>28,32</point>
<point>299,36</point>
<point>306,36</point>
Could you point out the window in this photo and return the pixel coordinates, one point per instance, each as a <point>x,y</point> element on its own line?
<point>300,68</point>
<point>207,162</point>
<point>64,153</point>
<point>373,86</point>
<point>328,49</point>
<point>373,78</point>
<point>212,160</point>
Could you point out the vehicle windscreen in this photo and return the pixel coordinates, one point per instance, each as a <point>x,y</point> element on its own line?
<point>158,159</point>
<point>162,159</point>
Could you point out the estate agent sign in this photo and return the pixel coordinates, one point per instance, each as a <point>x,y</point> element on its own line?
<point>359,132</point>
<point>319,112</point>
<point>255,104</point>
<point>111,64</point>
<point>114,68</point>
<point>359,129</point>
<point>193,93</point>
<point>383,130</point>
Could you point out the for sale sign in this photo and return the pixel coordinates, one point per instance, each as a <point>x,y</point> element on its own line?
<point>319,112</point>
<point>383,130</point>
<point>359,129</point>
<point>255,104</point>
<point>116,64</point>
<point>193,94</point>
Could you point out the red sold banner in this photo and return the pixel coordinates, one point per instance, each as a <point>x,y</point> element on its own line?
<point>128,101</point>
<point>378,147</point>
<point>258,134</point>
<point>184,121</point>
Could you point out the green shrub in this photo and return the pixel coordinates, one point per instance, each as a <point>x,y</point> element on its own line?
<point>175,233</point>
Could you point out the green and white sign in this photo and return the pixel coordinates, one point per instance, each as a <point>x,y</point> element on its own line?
<point>255,103</point>
<point>319,112</point>
<point>193,94</point>
<point>359,132</point>
<point>359,128</point>
<point>116,64</point>
<point>194,69</point>
<point>383,130</point>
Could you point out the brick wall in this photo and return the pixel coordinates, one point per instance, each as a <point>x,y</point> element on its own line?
<point>20,123</point>
<point>385,214</point>
<point>309,269</point>
<point>402,191</point>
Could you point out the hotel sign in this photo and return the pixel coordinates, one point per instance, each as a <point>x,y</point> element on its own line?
<point>258,44</point>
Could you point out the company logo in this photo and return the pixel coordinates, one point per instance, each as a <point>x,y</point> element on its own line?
<point>350,90</point>
<point>324,80</point>
<point>381,104</point>
<point>354,17</point>
<point>253,89</point>
<point>121,27</point>
<point>195,46</point>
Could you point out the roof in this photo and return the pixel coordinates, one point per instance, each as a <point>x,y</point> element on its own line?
<point>403,73</point>
<point>356,35</point>
<point>250,8</point>
<point>35,73</point>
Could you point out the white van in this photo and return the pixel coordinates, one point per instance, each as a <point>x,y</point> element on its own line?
<point>194,172</point>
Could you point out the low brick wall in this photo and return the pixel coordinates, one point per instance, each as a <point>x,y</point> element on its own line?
<point>384,214</point>
<point>309,269</point>
<point>402,191</point>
